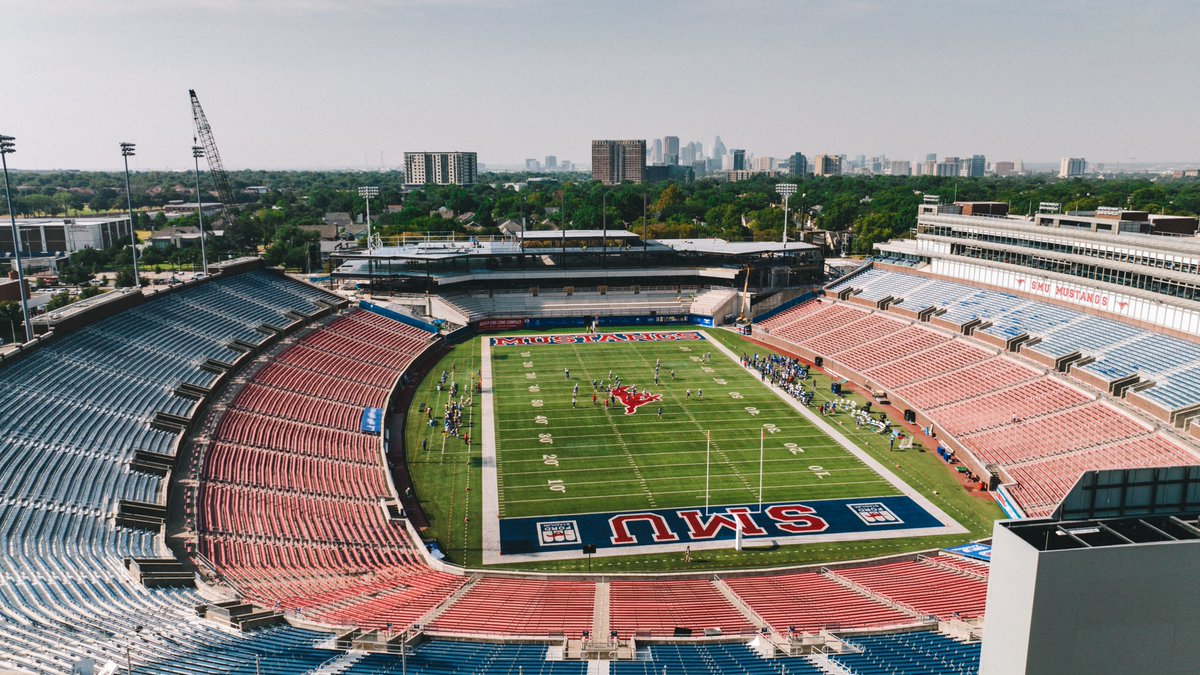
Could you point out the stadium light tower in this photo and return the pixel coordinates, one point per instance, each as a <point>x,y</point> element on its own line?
<point>6,148</point>
<point>366,192</point>
<point>127,152</point>
<point>197,153</point>
<point>787,190</point>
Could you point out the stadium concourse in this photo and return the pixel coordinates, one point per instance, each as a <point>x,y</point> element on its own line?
<point>1026,391</point>
<point>296,553</point>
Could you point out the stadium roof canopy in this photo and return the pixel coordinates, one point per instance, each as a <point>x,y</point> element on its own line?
<point>558,235</point>
<point>722,247</point>
<point>1119,507</point>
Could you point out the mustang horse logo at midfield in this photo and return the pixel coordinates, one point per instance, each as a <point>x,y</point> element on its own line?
<point>634,401</point>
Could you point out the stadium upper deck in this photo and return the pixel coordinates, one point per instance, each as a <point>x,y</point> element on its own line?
<point>565,258</point>
<point>1107,262</point>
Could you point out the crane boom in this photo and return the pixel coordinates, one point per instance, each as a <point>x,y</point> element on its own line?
<point>212,156</point>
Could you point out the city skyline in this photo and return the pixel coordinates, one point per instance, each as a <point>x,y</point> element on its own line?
<point>300,84</point>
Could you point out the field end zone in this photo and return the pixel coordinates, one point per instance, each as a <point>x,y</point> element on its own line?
<point>528,539</point>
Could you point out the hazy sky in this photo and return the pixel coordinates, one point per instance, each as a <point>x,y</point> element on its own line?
<point>333,83</point>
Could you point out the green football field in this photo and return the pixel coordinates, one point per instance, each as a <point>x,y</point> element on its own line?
<point>556,458</point>
<point>451,477</point>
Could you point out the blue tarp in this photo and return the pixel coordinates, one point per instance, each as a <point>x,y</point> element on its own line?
<point>397,316</point>
<point>977,551</point>
<point>372,420</point>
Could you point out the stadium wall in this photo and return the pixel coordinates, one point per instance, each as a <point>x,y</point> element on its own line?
<point>1114,609</point>
<point>804,297</point>
<point>397,316</point>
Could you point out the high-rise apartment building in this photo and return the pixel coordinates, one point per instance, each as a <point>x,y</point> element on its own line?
<point>1072,167</point>
<point>738,159</point>
<point>671,150</point>
<point>533,165</point>
<point>615,162</point>
<point>949,166</point>
<point>656,155</point>
<point>827,165</point>
<point>551,163</point>
<point>798,164</point>
<point>1005,168</point>
<point>440,168</point>
<point>974,167</point>
<point>764,164</point>
<point>899,168</point>
<point>688,154</point>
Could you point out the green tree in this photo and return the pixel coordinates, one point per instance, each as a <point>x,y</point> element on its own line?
<point>292,248</point>
<point>124,278</point>
<point>59,300</point>
<point>10,319</point>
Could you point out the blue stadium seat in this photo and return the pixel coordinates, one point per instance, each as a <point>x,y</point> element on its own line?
<point>920,653</point>
<point>72,414</point>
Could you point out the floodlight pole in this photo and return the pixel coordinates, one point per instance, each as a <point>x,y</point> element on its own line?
<point>786,190</point>
<point>6,148</point>
<point>366,192</point>
<point>127,151</point>
<point>197,153</point>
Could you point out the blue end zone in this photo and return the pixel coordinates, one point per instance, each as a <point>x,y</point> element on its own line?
<point>596,338</point>
<point>786,520</point>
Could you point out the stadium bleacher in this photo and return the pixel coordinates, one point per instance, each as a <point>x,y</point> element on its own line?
<point>659,608</point>
<point>922,587</point>
<point>1003,411</point>
<point>444,657</point>
<point>474,306</point>
<point>329,554</point>
<point>521,607</point>
<point>918,653</point>
<point>810,602</point>
<point>716,659</point>
<point>74,412</point>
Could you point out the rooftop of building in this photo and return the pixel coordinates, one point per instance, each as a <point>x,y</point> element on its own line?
<point>60,220</point>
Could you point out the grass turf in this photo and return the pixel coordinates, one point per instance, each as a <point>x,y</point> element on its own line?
<point>447,473</point>
<point>558,459</point>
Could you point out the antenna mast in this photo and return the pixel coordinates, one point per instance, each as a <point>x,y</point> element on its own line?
<point>213,157</point>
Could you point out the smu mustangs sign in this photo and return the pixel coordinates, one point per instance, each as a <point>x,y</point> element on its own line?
<point>691,525</point>
<point>595,338</point>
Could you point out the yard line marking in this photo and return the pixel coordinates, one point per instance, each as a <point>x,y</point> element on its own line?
<point>637,471</point>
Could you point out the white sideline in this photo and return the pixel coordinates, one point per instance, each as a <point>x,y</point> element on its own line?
<point>491,491</point>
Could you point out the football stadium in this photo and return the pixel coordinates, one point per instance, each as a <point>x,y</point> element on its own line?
<point>592,452</point>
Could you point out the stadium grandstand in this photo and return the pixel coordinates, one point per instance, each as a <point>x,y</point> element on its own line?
<point>214,478</point>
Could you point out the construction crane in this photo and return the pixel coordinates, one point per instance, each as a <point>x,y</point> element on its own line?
<point>213,157</point>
